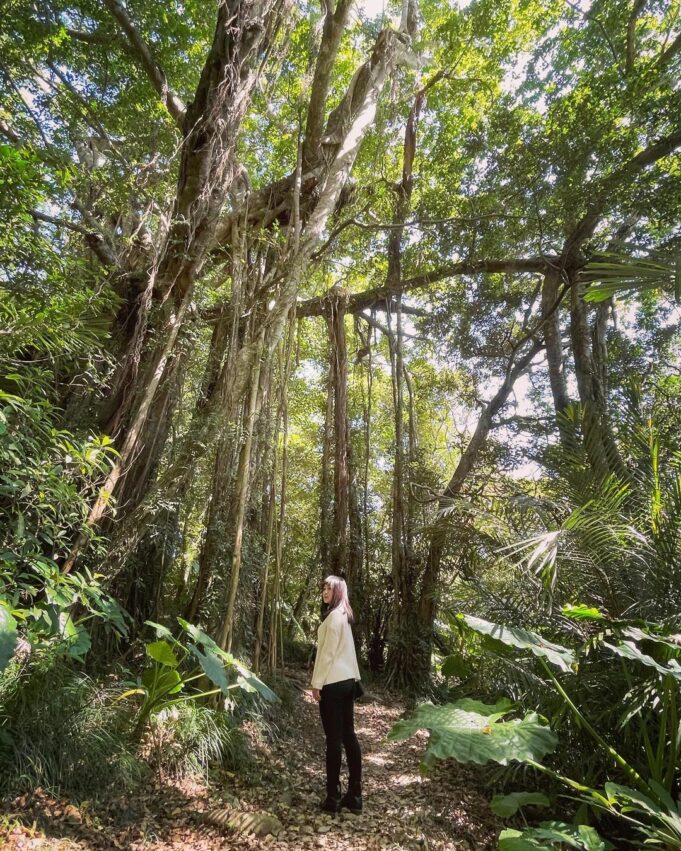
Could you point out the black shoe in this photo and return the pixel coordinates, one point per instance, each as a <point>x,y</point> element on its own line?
<point>332,802</point>
<point>352,800</point>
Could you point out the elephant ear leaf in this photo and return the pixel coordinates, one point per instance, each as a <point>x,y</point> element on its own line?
<point>471,731</point>
<point>550,835</point>
<point>199,636</point>
<point>161,651</point>
<point>506,806</point>
<point>214,661</point>
<point>8,636</point>
<point>212,667</point>
<point>630,650</point>
<point>522,639</point>
<point>252,683</point>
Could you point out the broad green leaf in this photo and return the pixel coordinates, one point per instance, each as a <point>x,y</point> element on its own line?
<point>212,667</point>
<point>8,636</point>
<point>551,835</point>
<point>247,679</point>
<point>160,684</point>
<point>618,794</point>
<point>255,683</point>
<point>470,731</point>
<point>454,666</point>
<point>161,651</point>
<point>628,650</point>
<point>511,839</point>
<point>671,640</point>
<point>582,612</point>
<point>161,631</point>
<point>506,806</point>
<point>78,642</point>
<point>199,636</point>
<point>522,639</point>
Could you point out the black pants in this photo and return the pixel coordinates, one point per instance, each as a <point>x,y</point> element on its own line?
<point>336,708</point>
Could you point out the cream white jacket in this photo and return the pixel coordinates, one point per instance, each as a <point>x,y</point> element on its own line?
<point>336,659</point>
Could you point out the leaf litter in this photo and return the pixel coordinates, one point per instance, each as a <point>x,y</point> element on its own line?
<point>275,803</point>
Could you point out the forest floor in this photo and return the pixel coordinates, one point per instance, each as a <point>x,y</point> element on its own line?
<point>281,791</point>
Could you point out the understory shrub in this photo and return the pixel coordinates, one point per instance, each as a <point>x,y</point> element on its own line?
<point>189,739</point>
<point>61,730</point>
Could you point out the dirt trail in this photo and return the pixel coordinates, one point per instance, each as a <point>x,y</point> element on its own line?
<point>403,809</point>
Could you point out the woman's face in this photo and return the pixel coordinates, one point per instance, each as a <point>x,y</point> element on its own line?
<point>327,593</point>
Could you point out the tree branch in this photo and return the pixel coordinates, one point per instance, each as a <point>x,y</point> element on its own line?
<point>631,35</point>
<point>667,56</point>
<point>601,190</point>
<point>94,240</point>
<point>172,102</point>
<point>373,297</point>
<point>8,133</point>
<point>334,26</point>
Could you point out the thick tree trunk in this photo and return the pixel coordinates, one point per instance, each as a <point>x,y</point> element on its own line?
<point>599,441</point>
<point>242,492</point>
<point>244,30</point>
<point>401,671</point>
<point>341,474</point>
<point>325,495</point>
<point>553,339</point>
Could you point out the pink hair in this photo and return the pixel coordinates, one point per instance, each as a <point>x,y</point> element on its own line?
<point>339,595</point>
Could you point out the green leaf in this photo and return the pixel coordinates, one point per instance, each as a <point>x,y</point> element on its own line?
<point>622,274</point>
<point>471,731</point>
<point>454,666</point>
<point>618,794</point>
<point>550,835</point>
<point>79,643</point>
<point>247,680</point>
<point>8,636</point>
<point>212,667</point>
<point>519,840</point>
<point>582,612</point>
<point>522,639</point>
<point>160,684</point>
<point>636,634</point>
<point>199,636</point>
<point>628,650</point>
<point>161,631</point>
<point>506,806</point>
<point>161,651</point>
<point>255,683</point>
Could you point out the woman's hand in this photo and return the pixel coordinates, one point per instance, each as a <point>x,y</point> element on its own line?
<point>316,694</point>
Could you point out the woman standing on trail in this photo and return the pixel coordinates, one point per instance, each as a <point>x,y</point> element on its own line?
<point>335,683</point>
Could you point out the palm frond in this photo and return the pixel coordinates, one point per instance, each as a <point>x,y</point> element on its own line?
<point>601,279</point>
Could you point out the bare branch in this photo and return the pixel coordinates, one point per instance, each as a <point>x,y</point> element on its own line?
<point>172,102</point>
